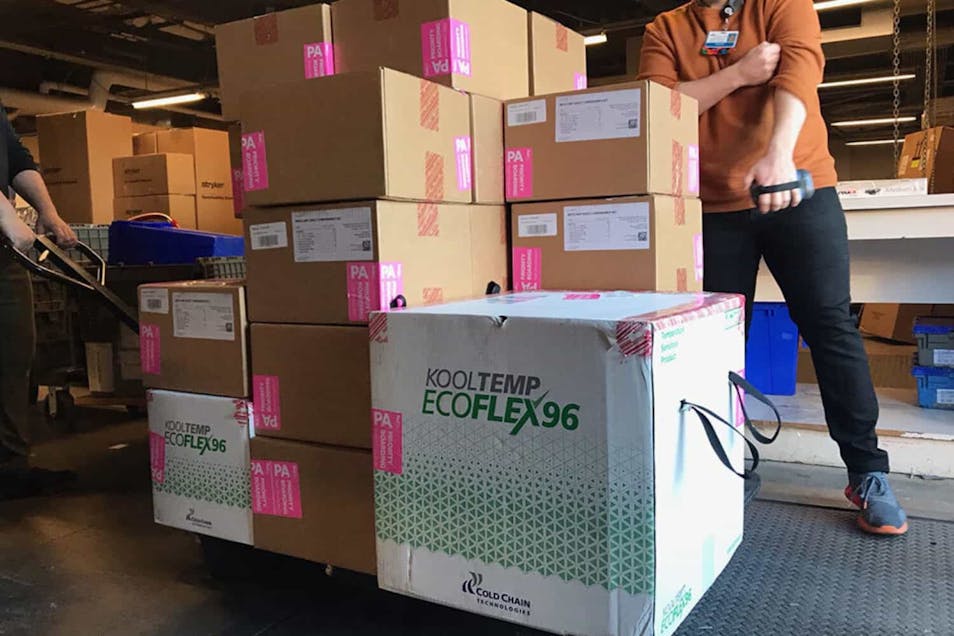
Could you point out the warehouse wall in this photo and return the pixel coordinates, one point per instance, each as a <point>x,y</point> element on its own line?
<point>863,162</point>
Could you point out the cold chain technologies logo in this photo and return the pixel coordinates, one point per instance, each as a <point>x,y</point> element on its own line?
<point>514,400</point>
<point>496,600</point>
<point>193,436</point>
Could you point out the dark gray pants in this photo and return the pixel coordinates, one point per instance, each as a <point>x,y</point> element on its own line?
<point>17,344</point>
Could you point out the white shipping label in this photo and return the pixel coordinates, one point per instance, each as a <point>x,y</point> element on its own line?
<point>945,396</point>
<point>527,113</point>
<point>944,358</point>
<point>533,225</point>
<point>612,226</point>
<point>594,116</point>
<point>269,236</point>
<point>333,235</point>
<point>206,316</point>
<point>154,301</point>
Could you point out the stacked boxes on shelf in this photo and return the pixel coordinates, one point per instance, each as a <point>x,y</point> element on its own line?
<point>155,183</point>
<point>935,365</point>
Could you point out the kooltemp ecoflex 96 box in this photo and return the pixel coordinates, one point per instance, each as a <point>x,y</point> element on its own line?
<point>533,462</point>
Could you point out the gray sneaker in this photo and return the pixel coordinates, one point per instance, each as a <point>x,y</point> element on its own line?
<point>880,511</point>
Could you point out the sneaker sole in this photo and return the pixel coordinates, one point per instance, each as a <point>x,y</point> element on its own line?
<point>884,531</point>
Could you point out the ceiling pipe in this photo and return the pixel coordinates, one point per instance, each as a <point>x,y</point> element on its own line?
<point>38,104</point>
<point>48,87</point>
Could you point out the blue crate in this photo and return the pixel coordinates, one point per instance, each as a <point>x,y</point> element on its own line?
<point>148,243</point>
<point>771,356</point>
<point>935,387</point>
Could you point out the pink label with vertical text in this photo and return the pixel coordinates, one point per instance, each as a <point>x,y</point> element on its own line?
<point>157,457</point>
<point>463,148</point>
<point>150,349</point>
<point>238,191</point>
<point>579,81</point>
<point>699,255</point>
<point>445,48</point>
<point>319,60</point>
<point>387,430</point>
<point>527,269</point>
<point>254,162</point>
<point>519,173</point>
<point>268,402</point>
<point>372,287</point>
<point>276,489</point>
<point>693,185</point>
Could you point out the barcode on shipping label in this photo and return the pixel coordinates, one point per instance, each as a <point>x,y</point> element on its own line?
<point>154,301</point>
<point>535,225</point>
<point>610,227</point>
<point>269,236</point>
<point>534,112</point>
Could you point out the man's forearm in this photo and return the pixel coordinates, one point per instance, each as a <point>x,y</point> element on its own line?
<point>29,185</point>
<point>711,90</point>
<point>789,118</point>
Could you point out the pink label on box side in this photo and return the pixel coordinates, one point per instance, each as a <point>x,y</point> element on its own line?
<point>579,81</point>
<point>699,255</point>
<point>319,60</point>
<point>527,268</point>
<point>268,403</point>
<point>238,191</point>
<point>693,185</point>
<point>739,413</point>
<point>157,457</point>
<point>445,48</point>
<point>387,430</point>
<point>582,297</point>
<point>150,349</point>
<point>519,173</point>
<point>463,148</point>
<point>372,287</point>
<point>276,489</point>
<point>254,162</point>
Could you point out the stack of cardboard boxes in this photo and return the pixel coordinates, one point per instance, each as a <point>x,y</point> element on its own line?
<point>155,183</point>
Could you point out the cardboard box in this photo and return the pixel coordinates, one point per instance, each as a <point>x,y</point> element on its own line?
<point>180,207</point>
<point>146,143</point>
<point>359,257</point>
<point>217,215</point>
<point>193,337</point>
<point>289,361</point>
<point>238,174</point>
<point>487,131</point>
<point>635,243</point>
<point>140,128</point>
<point>928,153</point>
<point>147,175</point>
<point>199,456</point>
<point>274,48</point>
<point>637,138</point>
<point>210,149</point>
<point>78,151</point>
<point>477,47</point>
<point>890,363</point>
<point>381,134</point>
<point>892,321</point>
<point>521,462</point>
<point>557,57</point>
<point>882,188</point>
<point>100,370</point>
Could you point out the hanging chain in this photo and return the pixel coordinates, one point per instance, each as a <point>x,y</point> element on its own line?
<point>896,63</point>
<point>930,66</point>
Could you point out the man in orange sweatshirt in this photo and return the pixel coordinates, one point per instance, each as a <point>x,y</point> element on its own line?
<point>754,68</point>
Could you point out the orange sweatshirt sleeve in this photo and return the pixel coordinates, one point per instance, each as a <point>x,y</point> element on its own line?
<point>657,59</point>
<point>793,25</point>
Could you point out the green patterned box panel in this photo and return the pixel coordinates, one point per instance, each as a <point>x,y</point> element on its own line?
<point>207,481</point>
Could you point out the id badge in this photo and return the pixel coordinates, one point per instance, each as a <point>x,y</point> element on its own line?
<point>720,42</point>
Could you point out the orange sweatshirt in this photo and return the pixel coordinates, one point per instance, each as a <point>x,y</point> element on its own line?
<point>734,134</point>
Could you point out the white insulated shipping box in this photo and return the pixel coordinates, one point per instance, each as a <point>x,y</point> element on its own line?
<point>199,455</point>
<point>533,462</point>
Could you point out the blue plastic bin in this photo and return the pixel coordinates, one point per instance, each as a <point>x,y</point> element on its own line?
<point>145,243</point>
<point>771,356</point>
<point>935,387</point>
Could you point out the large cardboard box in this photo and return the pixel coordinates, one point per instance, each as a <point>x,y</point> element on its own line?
<point>891,365</point>
<point>333,264</point>
<point>145,143</point>
<point>238,173</point>
<point>929,153</point>
<point>477,47</point>
<point>533,461</point>
<point>290,361</point>
<point>193,337</point>
<point>217,215</point>
<point>210,149</point>
<point>148,175</point>
<point>486,120</point>
<point>379,134</point>
<point>199,457</point>
<point>180,207</point>
<point>634,243</point>
<point>274,48</point>
<point>78,151</point>
<point>636,138</point>
<point>893,321</point>
<point>314,503</point>
<point>557,57</point>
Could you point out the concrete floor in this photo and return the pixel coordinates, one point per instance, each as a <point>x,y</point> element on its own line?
<point>91,561</point>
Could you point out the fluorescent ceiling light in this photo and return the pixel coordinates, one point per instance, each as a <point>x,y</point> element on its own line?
<point>838,4</point>
<point>884,79</point>
<point>172,100</point>
<point>873,122</point>
<point>877,142</point>
<point>592,40</point>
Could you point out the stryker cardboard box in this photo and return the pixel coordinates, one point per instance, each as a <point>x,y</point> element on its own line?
<point>148,175</point>
<point>314,503</point>
<point>287,46</point>
<point>78,151</point>
<point>210,150</point>
<point>290,361</point>
<point>193,337</point>
<point>634,243</point>
<point>374,134</point>
<point>557,57</point>
<point>215,214</point>
<point>927,154</point>
<point>199,455</point>
<point>533,462</point>
<point>477,47</point>
<point>145,143</point>
<point>335,263</point>
<point>486,120</point>
<point>180,207</point>
<point>620,140</point>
